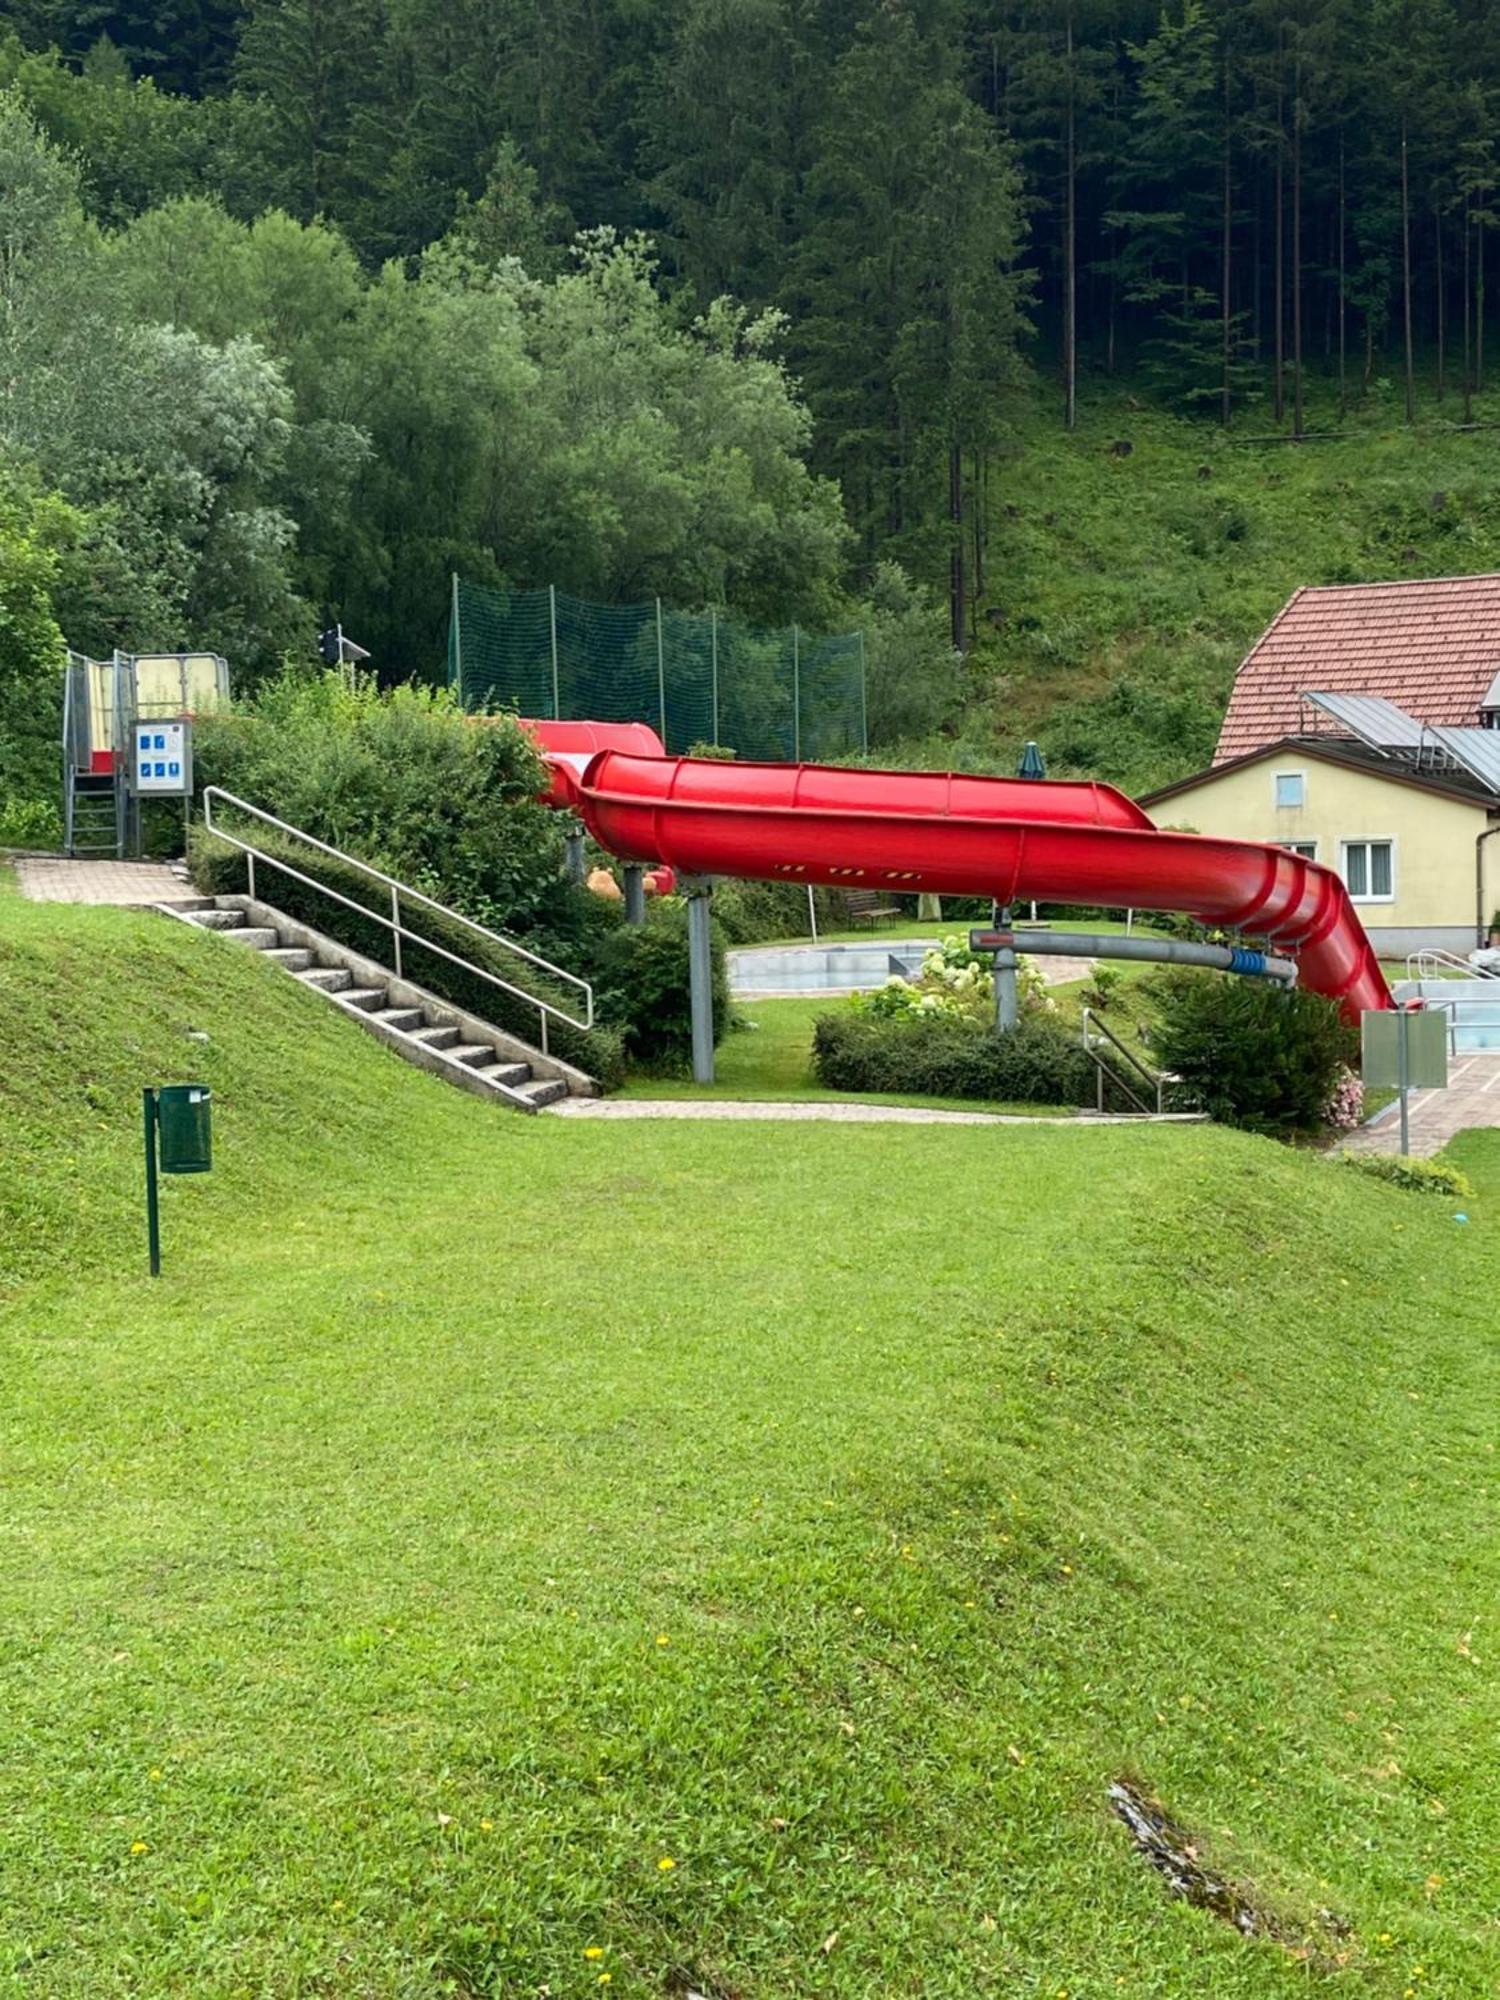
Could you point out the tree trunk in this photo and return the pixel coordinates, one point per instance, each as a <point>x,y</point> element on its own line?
<point>1343,289</point>
<point>1437,225</point>
<point>1278,391</point>
<point>957,600</point>
<point>1411,380</point>
<point>1070,258</point>
<point>1225,267</point>
<point>977,485</point>
<point>1484,195</point>
<point>1297,424</point>
<point>1468,333</point>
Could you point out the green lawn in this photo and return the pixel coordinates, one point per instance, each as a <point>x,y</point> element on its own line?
<point>483,1513</point>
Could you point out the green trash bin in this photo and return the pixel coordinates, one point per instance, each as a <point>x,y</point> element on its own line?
<point>184,1125</point>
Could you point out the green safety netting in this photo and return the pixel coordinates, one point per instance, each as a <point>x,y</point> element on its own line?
<point>695,676</point>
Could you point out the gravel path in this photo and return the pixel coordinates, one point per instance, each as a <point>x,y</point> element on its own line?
<point>840,1114</point>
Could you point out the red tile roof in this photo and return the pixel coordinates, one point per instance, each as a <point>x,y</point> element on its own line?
<point>1431,646</point>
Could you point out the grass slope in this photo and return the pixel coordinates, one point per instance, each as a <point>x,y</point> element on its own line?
<point>1123,591</point>
<point>482,1514</point>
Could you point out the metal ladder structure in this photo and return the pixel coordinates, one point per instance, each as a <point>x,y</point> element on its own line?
<point>95,807</point>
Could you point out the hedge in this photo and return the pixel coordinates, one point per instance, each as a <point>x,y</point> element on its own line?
<point>1038,1062</point>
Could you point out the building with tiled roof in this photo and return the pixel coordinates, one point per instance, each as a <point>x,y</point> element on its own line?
<point>1431,646</point>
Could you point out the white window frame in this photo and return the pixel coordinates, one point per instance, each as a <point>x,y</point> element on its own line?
<point>1276,778</point>
<point>1305,850</point>
<point>1368,840</point>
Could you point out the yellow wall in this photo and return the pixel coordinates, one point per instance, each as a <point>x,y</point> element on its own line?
<point>1434,837</point>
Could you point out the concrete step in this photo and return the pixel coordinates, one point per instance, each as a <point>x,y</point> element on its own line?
<point>258,940</point>
<point>437,1038</point>
<point>404,1018</point>
<point>211,919</point>
<point>543,1090</point>
<point>368,999</point>
<point>475,1055</point>
<point>327,978</point>
<point>512,1074</point>
<point>293,957</point>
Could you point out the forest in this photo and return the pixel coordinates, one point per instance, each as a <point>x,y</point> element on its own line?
<point>306,304</point>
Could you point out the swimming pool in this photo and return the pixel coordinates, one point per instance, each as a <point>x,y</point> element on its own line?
<point>765,971</point>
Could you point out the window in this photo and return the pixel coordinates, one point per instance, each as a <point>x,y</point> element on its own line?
<point>1308,849</point>
<point>1291,788</point>
<point>1370,870</point>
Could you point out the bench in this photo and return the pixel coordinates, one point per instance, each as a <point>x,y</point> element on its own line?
<point>865,906</point>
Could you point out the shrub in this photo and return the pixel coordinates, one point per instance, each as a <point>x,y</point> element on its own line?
<point>947,1055</point>
<point>1250,1053</point>
<point>752,912</point>
<point>1419,1176</point>
<point>643,987</point>
<point>1103,988</point>
<point>405,780</point>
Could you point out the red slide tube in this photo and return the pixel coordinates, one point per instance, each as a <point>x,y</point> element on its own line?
<point>1011,839</point>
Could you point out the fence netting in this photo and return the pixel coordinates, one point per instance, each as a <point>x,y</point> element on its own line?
<point>695,676</point>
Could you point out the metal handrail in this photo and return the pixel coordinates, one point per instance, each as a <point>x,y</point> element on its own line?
<point>1435,957</point>
<point>1154,1082</point>
<point>393,923</point>
<point>1450,1008</point>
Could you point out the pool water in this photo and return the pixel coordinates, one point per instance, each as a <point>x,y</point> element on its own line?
<point>765,971</point>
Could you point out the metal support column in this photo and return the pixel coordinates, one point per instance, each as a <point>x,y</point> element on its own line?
<point>573,852</point>
<point>552,620</point>
<point>796,697</point>
<point>661,675</point>
<point>714,643</point>
<point>1007,998</point>
<point>864,704</point>
<point>635,893</point>
<point>1403,1077</point>
<point>699,891</point>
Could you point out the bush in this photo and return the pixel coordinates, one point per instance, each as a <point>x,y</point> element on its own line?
<point>1250,1053</point>
<point>752,912</point>
<point>1419,1176</point>
<point>643,987</point>
<point>405,780</point>
<point>946,1055</point>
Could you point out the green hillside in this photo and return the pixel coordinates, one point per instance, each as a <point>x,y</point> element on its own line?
<point>482,1514</point>
<point>1121,592</point>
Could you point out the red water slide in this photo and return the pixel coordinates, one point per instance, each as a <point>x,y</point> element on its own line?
<point>1013,839</point>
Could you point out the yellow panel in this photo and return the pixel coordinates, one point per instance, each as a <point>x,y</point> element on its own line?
<point>177,683</point>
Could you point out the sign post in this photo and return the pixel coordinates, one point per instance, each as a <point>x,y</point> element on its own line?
<point>1404,1049</point>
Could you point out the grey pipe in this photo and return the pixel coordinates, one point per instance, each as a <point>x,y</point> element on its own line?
<point>1158,951</point>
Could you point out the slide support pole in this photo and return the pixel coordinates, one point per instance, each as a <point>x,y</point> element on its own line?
<point>635,893</point>
<point>1007,996</point>
<point>699,891</point>
<point>573,851</point>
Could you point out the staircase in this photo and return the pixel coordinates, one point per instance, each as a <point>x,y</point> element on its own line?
<point>415,1024</point>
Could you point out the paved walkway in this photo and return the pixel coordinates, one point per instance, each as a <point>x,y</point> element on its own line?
<point>46,878</point>
<point>1471,1101</point>
<point>854,1113</point>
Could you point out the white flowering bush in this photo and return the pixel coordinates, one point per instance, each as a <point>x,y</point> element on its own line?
<point>954,983</point>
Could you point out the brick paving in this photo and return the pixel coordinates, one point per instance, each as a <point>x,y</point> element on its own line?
<point>1471,1101</point>
<point>46,878</point>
